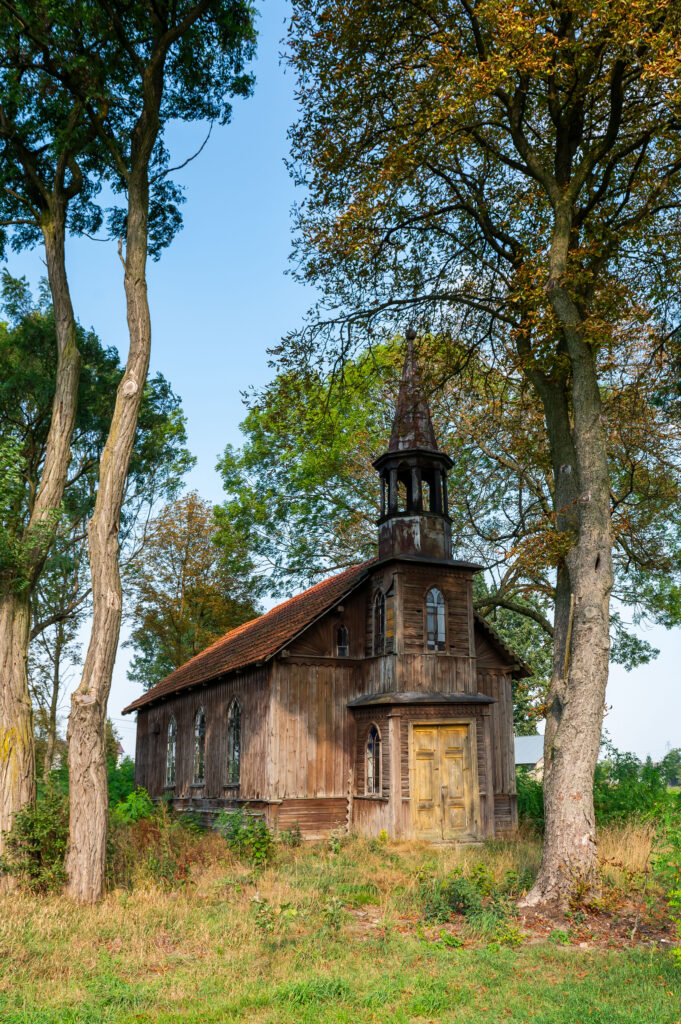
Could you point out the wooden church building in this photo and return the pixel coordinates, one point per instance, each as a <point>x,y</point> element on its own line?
<point>378,699</point>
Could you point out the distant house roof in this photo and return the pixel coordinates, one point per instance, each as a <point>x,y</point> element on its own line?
<point>258,639</point>
<point>528,749</point>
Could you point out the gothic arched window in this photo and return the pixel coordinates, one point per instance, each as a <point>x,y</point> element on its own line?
<point>199,747</point>
<point>342,642</point>
<point>435,620</point>
<point>170,752</point>
<point>373,761</point>
<point>379,623</point>
<point>234,743</point>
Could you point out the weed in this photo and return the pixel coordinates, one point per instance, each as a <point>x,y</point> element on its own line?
<point>560,937</point>
<point>136,806</point>
<point>291,836</point>
<point>247,836</point>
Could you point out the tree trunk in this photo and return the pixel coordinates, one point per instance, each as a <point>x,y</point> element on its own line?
<point>17,748</point>
<point>86,855</point>
<point>582,642</point>
<point>17,751</point>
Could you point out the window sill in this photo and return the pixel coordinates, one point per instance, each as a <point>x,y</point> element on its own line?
<point>198,785</point>
<point>232,785</point>
<point>375,797</point>
<point>169,789</point>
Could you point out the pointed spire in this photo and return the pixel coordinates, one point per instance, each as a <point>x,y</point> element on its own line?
<point>412,426</point>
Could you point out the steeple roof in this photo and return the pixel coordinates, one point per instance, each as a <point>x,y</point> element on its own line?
<point>412,426</point>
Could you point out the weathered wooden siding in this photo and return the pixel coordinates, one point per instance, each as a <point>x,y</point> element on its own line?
<point>311,734</point>
<point>252,690</point>
<point>456,589</point>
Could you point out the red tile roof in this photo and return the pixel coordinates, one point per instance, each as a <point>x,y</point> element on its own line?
<point>258,639</point>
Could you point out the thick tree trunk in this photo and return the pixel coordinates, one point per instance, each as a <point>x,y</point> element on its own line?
<point>86,855</point>
<point>17,749</point>
<point>582,644</point>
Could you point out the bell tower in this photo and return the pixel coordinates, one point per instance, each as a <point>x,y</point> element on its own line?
<point>414,512</point>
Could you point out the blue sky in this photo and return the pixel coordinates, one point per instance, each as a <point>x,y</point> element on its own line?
<point>220,298</point>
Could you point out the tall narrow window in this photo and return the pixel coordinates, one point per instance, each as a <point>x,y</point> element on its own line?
<point>435,620</point>
<point>379,623</point>
<point>234,743</point>
<point>373,761</point>
<point>170,753</point>
<point>199,747</point>
<point>342,646</point>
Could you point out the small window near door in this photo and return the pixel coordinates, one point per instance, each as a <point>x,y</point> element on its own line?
<point>435,620</point>
<point>342,645</point>
<point>234,743</point>
<point>170,753</point>
<point>199,747</point>
<point>373,762</point>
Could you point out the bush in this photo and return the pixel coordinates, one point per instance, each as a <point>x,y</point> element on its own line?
<point>626,787</point>
<point>136,806</point>
<point>667,863</point>
<point>147,842</point>
<point>121,780</point>
<point>486,908</point>
<point>246,835</point>
<point>530,799</point>
<point>36,845</point>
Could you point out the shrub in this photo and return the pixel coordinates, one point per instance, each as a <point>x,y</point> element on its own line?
<point>121,780</point>
<point>485,907</point>
<point>36,844</point>
<point>291,836</point>
<point>530,799</point>
<point>246,835</point>
<point>136,806</point>
<point>626,787</point>
<point>666,863</point>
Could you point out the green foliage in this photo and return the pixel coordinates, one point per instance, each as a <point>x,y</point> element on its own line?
<point>666,863</point>
<point>530,799</point>
<point>148,842</point>
<point>136,806</point>
<point>626,787</point>
<point>486,906</point>
<point>292,836</point>
<point>670,767</point>
<point>36,844</point>
<point>246,835</point>
<point>185,589</point>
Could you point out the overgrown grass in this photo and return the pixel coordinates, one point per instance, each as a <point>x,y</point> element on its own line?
<point>331,932</point>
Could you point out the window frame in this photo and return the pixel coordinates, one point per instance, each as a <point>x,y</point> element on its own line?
<point>234,715</point>
<point>200,748</point>
<point>342,641</point>
<point>439,608</point>
<point>171,761</point>
<point>373,732</point>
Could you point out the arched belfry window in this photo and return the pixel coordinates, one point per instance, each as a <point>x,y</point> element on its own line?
<point>373,761</point>
<point>342,642</point>
<point>435,620</point>
<point>379,623</point>
<point>170,752</point>
<point>234,743</point>
<point>200,747</point>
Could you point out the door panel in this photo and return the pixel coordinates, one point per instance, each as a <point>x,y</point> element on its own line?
<point>443,797</point>
<point>426,783</point>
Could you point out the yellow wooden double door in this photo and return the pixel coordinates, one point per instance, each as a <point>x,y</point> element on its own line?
<point>444,794</point>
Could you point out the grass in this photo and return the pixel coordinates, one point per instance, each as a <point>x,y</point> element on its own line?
<point>316,937</point>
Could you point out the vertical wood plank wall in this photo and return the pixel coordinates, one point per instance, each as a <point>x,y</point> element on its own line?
<point>252,690</point>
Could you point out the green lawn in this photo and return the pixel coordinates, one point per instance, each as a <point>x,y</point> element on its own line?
<point>317,937</point>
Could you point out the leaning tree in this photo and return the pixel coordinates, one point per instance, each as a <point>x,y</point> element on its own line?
<point>508,173</point>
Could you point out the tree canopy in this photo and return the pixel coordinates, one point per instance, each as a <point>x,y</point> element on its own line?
<point>186,590</point>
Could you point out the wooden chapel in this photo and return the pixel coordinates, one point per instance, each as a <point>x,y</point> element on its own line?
<point>376,700</point>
